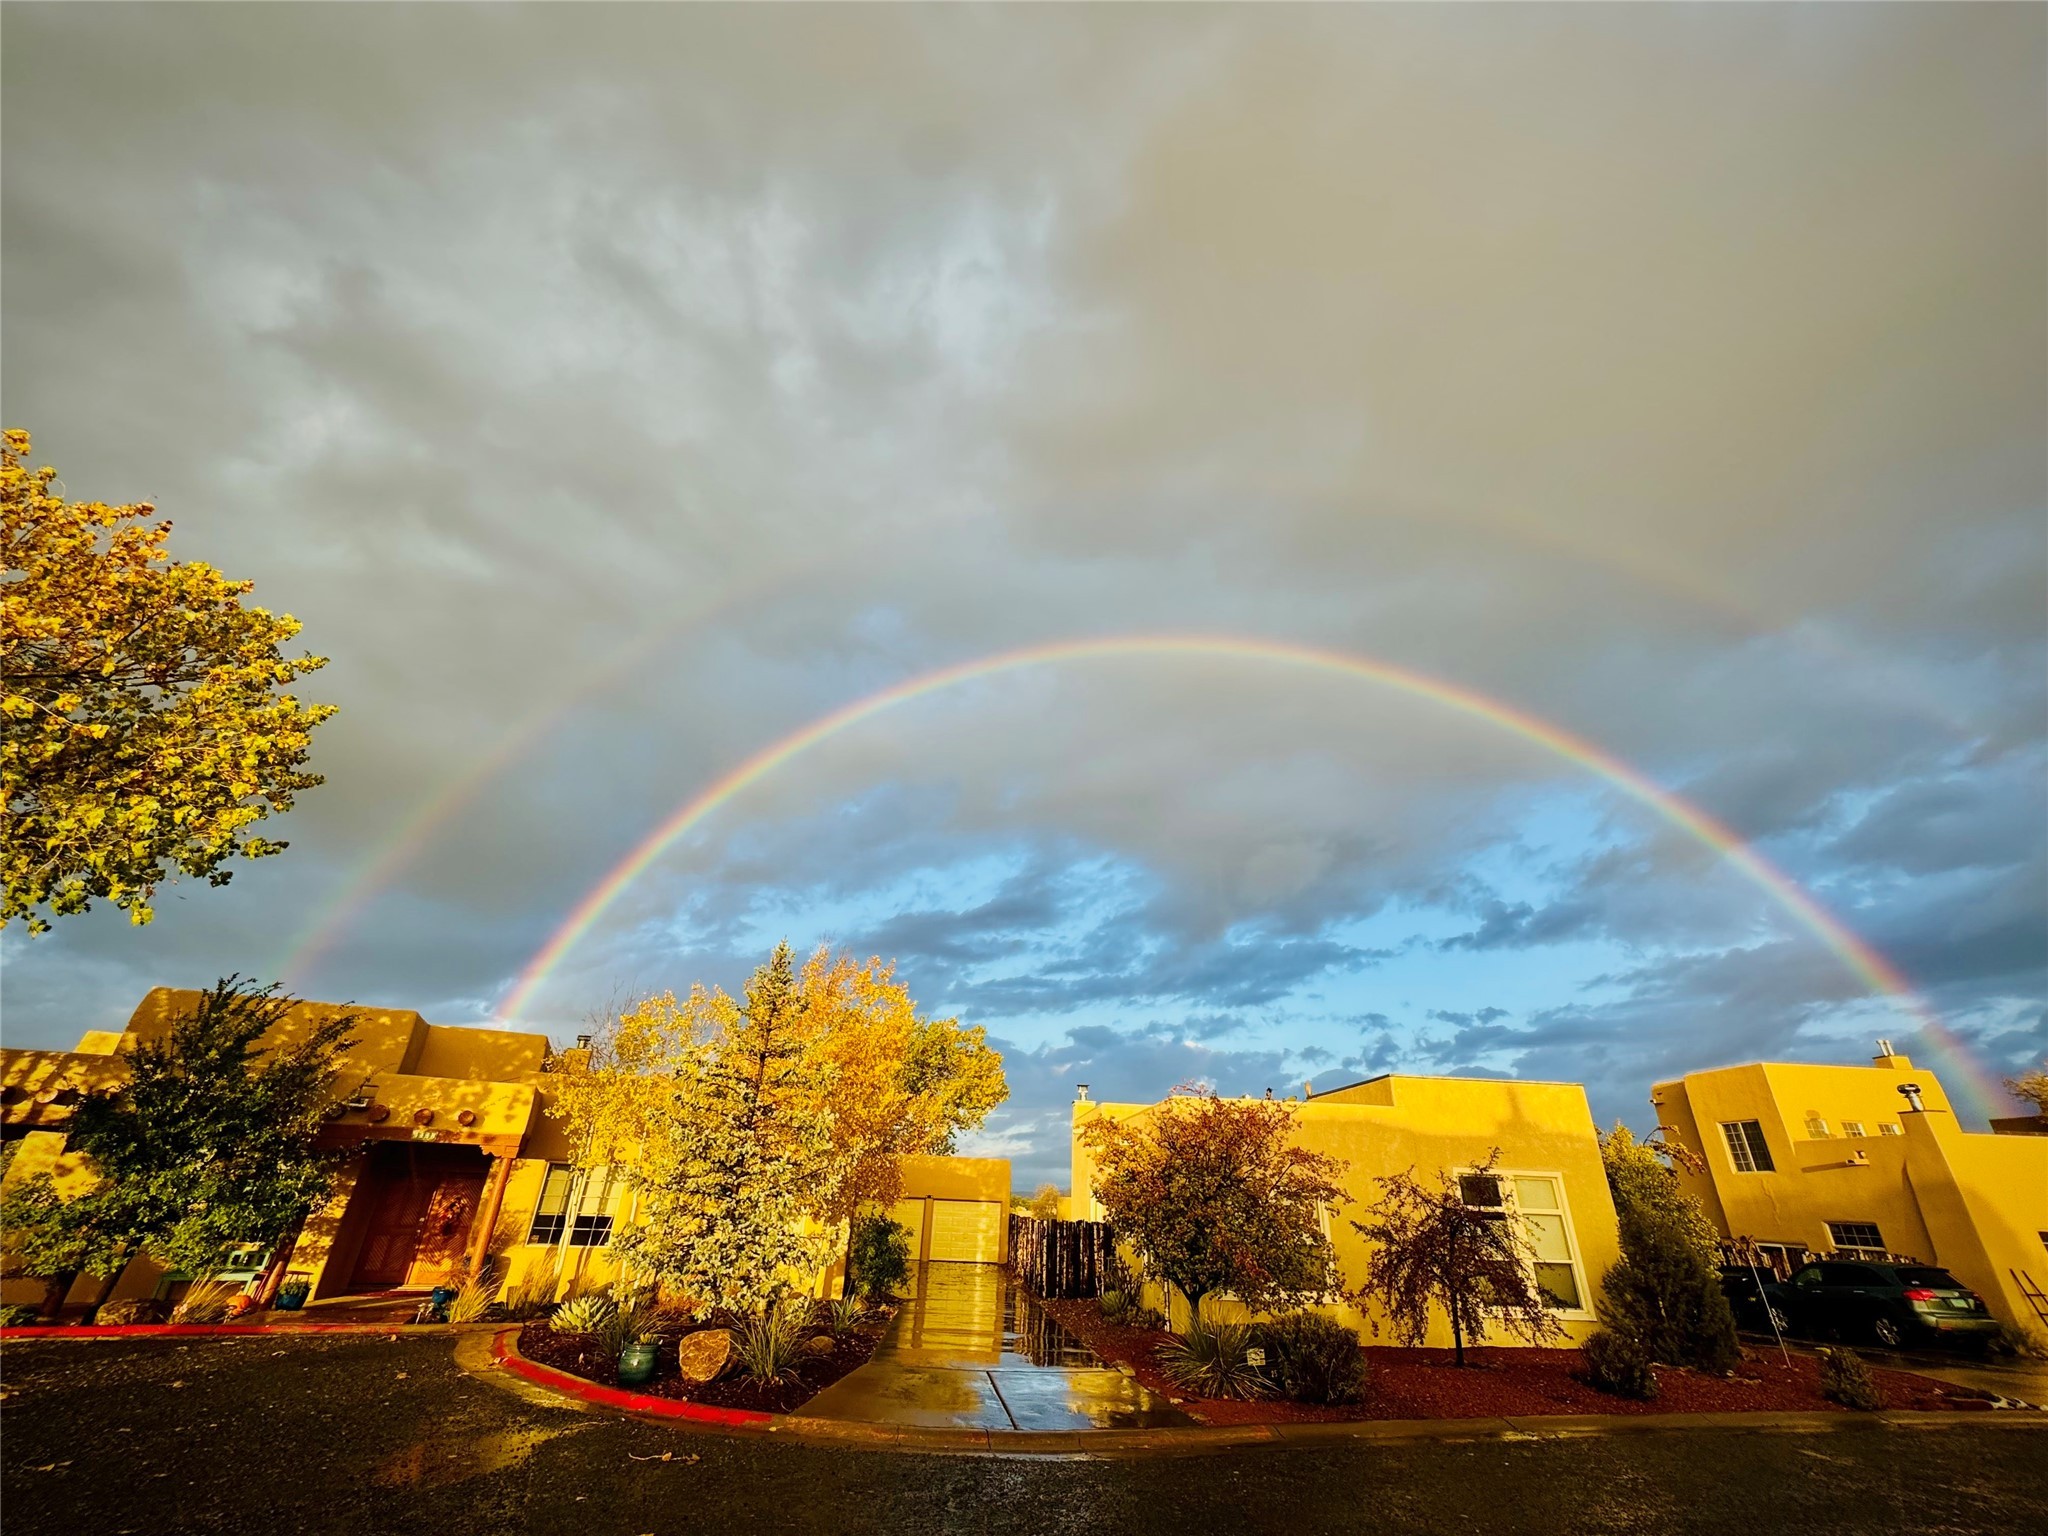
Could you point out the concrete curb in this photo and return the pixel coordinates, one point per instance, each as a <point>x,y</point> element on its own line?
<point>1200,1440</point>
<point>217,1330</point>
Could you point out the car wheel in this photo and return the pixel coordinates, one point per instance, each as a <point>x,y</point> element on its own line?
<point>1887,1332</point>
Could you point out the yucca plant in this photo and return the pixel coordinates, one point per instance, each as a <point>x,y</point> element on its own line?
<point>839,1315</point>
<point>1117,1306</point>
<point>205,1301</point>
<point>1209,1361</point>
<point>626,1325</point>
<point>474,1299</point>
<point>583,1314</point>
<point>769,1348</point>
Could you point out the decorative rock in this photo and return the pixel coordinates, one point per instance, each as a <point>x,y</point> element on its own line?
<point>819,1345</point>
<point>703,1356</point>
<point>141,1309</point>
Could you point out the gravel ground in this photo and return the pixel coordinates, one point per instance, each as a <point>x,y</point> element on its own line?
<point>365,1435</point>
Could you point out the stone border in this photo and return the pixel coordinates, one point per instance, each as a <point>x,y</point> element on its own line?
<point>1198,1440</point>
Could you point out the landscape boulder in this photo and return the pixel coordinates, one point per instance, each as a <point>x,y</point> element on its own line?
<point>139,1309</point>
<point>704,1355</point>
<point>819,1345</point>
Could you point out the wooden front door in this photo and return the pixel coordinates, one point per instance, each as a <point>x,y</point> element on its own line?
<point>424,1201</point>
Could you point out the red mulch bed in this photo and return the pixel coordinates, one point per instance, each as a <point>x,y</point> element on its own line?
<point>1508,1383</point>
<point>578,1354</point>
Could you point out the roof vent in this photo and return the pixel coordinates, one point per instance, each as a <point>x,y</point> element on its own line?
<point>1884,1048</point>
<point>1080,1093</point>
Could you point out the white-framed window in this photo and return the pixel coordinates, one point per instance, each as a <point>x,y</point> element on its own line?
<point>1746,1146</point>
<point>1887,1128</point>
<point>590,1224</point>
<point>1856,1237</point>
<point>1852,1128</point>
<point>1535,1203</point>
<point>1816,1127</point>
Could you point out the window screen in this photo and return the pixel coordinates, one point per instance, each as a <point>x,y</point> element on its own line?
<point>1746,1146</point>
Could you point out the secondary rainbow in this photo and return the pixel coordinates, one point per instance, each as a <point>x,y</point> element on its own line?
<point>1871,967</point>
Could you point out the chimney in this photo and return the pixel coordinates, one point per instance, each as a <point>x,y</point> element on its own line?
<point>1080,1093</point>
<point>1889,1059</point>
<point>583,1042</point>
<point>1910,1092</point>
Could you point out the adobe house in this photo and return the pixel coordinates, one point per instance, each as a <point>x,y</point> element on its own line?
<point>1868,1161</point>
<point>1550,1179</point>
<point>447,1155</point>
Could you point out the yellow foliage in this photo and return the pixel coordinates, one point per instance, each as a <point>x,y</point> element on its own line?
<point>143,726</point>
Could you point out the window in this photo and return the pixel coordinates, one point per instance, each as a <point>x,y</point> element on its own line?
<point>1539,1207</point>
<point>1887,1128</point>
<point>590,1226</point>
<point>1483,1193</point>
<point>1852,1127</point>
<point>1816,1127</point>
<point>1855,1237</point>
<point>1746,1146</point>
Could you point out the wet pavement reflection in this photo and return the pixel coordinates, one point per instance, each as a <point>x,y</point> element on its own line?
<point>970,1350</point>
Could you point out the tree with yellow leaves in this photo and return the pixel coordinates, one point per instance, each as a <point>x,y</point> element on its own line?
<point>753,1132</point>
<point>145,729</point>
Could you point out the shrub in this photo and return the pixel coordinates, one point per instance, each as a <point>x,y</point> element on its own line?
<point>1117,1306</point>
<point>2020,1343</point>
<point>205,1301</point>
<point>839,1315</point>
<point>16,1315</point>
<point>1311,1358</point>
<point>583,1314</point>
<point>1209,1361</point>
<point>534,1292</point>
<point>474,1299</point>
<point>1617,1363</point>
<point>769,1348</point>
<point>1666,1290</point>
<point>878,1256</point>
<point>624,1326</point>
<point>1148,1320</point>
<point>1845,1379</point>
<point>140,1309</point>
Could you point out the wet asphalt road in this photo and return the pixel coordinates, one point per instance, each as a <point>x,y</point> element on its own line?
<point>366,1435</point>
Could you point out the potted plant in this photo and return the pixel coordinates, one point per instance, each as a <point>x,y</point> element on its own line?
<point>291,1296</point>
<point>636,1360</point>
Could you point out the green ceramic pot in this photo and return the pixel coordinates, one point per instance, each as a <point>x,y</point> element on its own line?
<point>636,1364</point>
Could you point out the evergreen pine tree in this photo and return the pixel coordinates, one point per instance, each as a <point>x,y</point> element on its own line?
<point>1666,1291</point>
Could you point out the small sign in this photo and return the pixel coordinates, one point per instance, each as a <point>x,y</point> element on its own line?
<point>1255,1357</point>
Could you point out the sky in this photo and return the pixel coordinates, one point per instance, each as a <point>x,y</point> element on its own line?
<point>614,392</point>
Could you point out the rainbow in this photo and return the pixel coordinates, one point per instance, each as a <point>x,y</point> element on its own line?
<point>1866,963</point>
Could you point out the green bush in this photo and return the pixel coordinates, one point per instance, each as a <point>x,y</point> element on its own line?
<point>583,1314</point>
<point>15,1315</point>
<point>1666,1291</point>
<point>1311,1358</point>
<point>878,1256</point>
<point>1845,1379</point>
<point>1117,1306</point>
<point>839,1315</point>
<point>769,1348</point>
<point>1209,1361</point>
<point>1617,1363</point>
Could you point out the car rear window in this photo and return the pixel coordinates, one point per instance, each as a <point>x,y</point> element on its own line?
<point>1933,1279</point>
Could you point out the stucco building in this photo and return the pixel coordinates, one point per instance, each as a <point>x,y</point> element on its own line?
<point>446,1155</point>
<point>1869,1160</point>
<point>1550,1176</point>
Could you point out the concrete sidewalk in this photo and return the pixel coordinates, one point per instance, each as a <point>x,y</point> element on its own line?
<point>968,1350</point>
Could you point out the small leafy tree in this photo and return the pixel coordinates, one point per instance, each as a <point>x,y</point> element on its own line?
<point>2031,1087</point>
<point>1214,1196</point>
<point>877,1256</point>
<point>56,1240</point>
<point>208,1145</point>
<point>1432,1248</point>
<point>1666,1291</point>
<point>146,732</point>
<point>1045,1203</point>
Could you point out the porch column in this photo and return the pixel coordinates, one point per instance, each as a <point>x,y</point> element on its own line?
<point>487,1214</point>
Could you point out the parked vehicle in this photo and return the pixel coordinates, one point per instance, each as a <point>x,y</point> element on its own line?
<point>1890,1304</point>
<point>1757,1306</point>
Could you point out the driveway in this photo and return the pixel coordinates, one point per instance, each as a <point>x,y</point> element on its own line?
<point>353,1435</point>
<point>969,1350</point>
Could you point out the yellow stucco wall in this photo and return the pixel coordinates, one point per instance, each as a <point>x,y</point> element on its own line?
<point>1431,1124</point>
<point>1973,1203</point>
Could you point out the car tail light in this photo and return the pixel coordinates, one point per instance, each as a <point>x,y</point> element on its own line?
<point>1919,1295</point>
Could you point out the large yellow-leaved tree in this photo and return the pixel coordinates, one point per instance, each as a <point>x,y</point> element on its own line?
<point>146,729</point>
<point>738,1122</point>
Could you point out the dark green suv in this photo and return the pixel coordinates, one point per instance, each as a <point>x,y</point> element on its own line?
<point>1892,1304</point>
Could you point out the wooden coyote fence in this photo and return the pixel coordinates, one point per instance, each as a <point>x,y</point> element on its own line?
<point>1065,1258</point>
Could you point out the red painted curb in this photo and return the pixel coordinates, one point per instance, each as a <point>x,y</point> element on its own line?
<point>505,1348</point>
